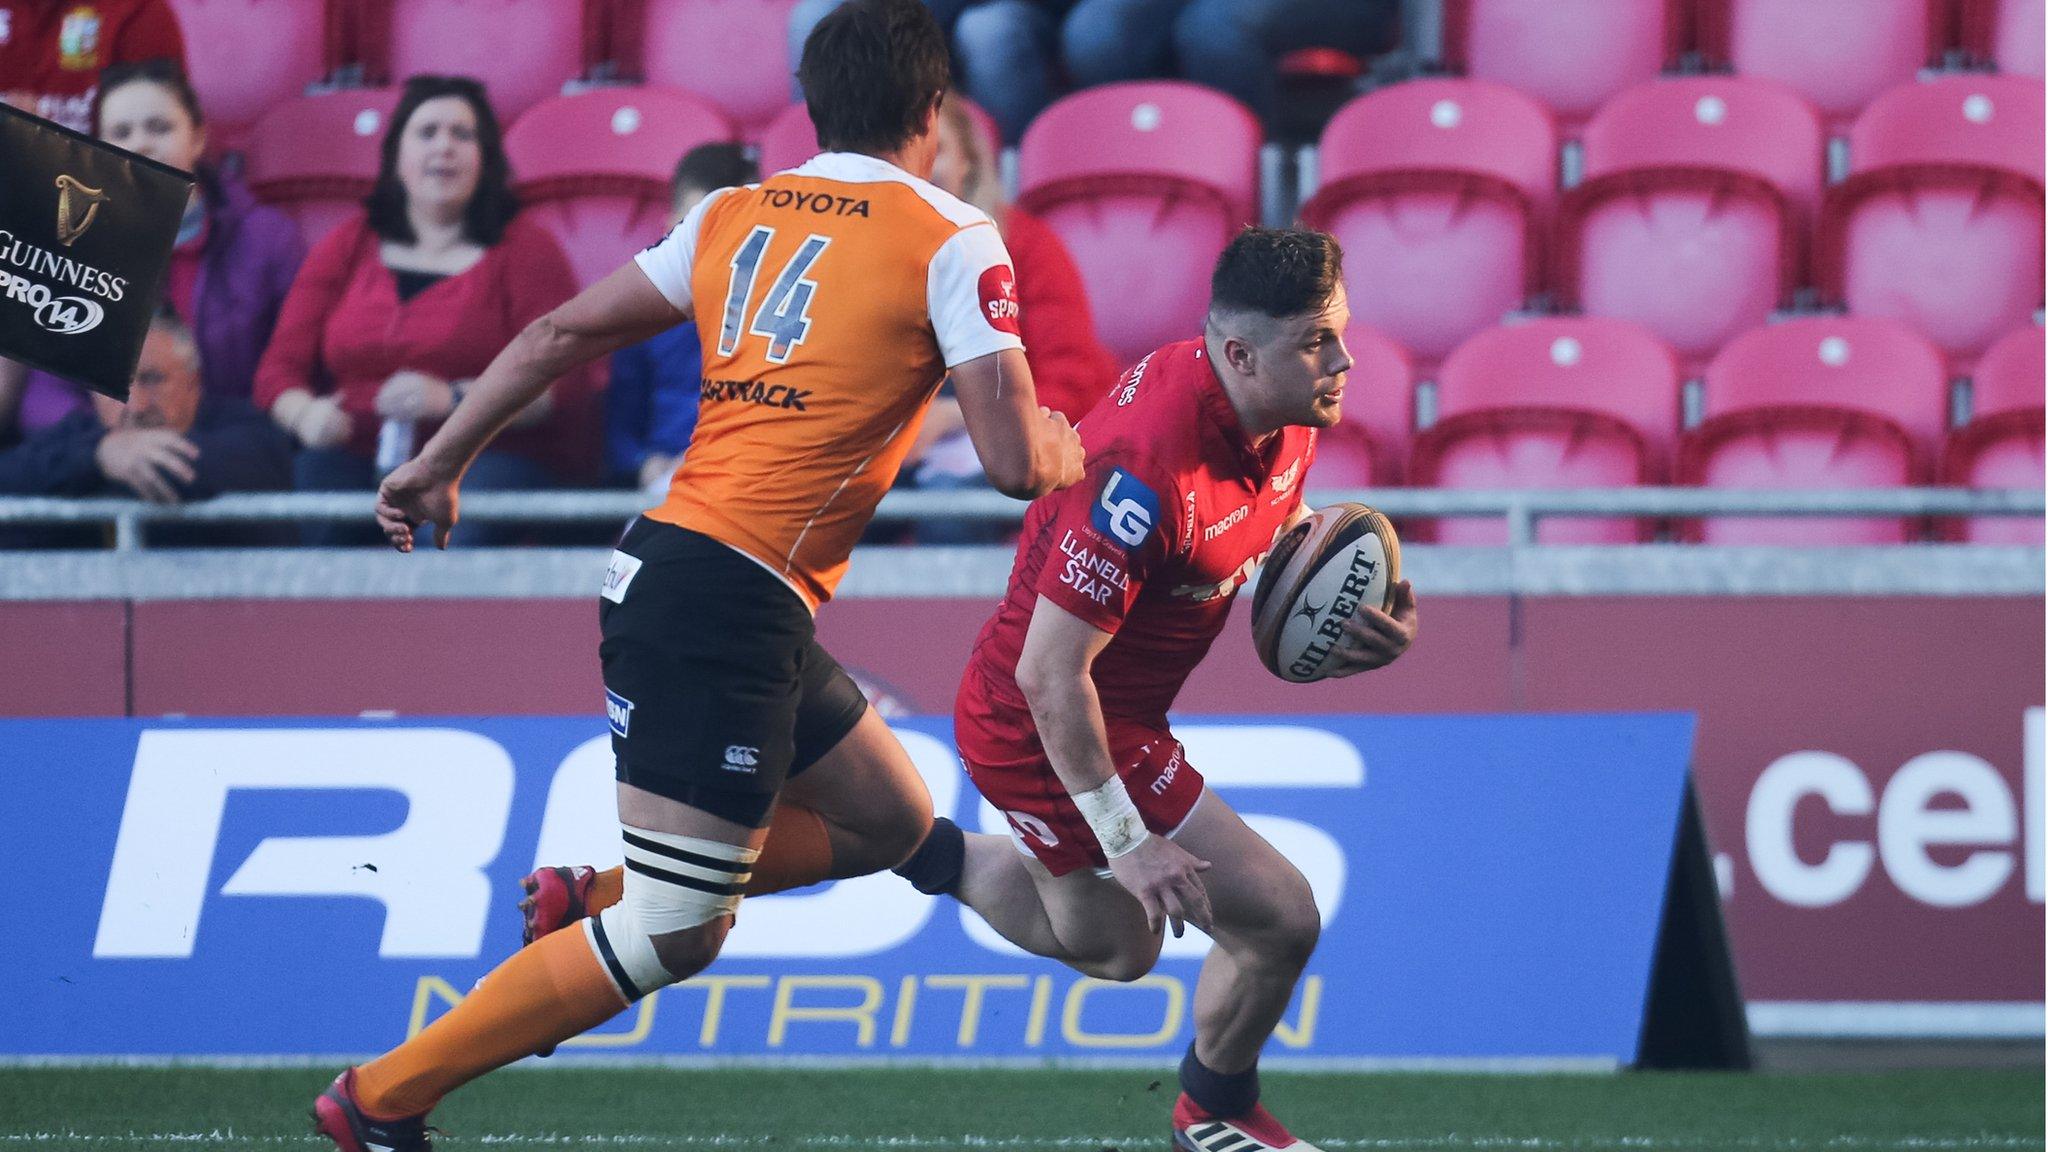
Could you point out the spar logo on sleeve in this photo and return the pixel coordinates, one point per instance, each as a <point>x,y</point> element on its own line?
<point>1127,510</point>
<point>998,290</point>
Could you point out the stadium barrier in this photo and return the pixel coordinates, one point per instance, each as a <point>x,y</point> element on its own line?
<point>1869,761</point>
<point>1522,509</point>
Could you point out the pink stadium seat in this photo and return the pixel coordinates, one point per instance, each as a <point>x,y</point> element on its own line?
<point>236,85</point>
<point>1440,191</point>
<point>2007,33</point>
<point>1840,54</point>
<point>595,167</point>
<point>1570,54</point>
<point>1371,442</point>
<point>733,53</point>
<point>1939,223</point>
<point>316,157</point>
<point>1345,458</point>
<point>1820,402</point>
<point>1694,210</point>
<point>2001,446</point>
<point>790,140</point>
<point>1146,182</point>
<point>523,50</point>
<point>1564,402</point>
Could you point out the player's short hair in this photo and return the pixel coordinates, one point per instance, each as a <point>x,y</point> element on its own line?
<point>1277,272</point>
<point>709,167</point>
<point>871,72</point>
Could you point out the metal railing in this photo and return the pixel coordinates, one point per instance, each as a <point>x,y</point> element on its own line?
<point>1523,509</point>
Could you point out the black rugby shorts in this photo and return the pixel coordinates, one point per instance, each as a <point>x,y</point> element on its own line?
<point>715,685</point>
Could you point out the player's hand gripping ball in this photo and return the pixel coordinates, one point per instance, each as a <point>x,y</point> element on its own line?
<point>1309,615</point>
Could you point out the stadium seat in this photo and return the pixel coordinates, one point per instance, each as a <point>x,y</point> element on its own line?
<point>236,85</point>
<point>595,168</point>
<point>733,53</point>
<point>1939,223</point>
<point>316,157</point>
<point>1839,54</point>
<point>2007,34</point>
<point>1694,210</point>
<point>790,140</point>
<point>1563,402</point>
<point>1440,191</point>
<point>523,50</point>
<point>1817,403</point>
<point>1146,182</point>
<point>1370,443</point>
<point>1571,54</point>
<point>2001,446</point>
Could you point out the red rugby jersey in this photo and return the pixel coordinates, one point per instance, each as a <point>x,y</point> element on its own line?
<point>1177,510</point>
<point>52,51</point>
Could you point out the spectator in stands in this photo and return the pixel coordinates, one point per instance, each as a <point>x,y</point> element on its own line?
<point>1005,51</point>
<point>397,309</point>
<point>234,259</point>
<point>1069,366</point>
<point>52,53</point>
<point>173,441</point>
<point>651,407</point>
<point>1234,45</point>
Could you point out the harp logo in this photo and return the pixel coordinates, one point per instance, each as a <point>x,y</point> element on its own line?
<point>77,207</point>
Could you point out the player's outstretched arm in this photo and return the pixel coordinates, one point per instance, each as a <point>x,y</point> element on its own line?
<point>1025,450</point>
<point>1053,673</point>
<point>621,309</point>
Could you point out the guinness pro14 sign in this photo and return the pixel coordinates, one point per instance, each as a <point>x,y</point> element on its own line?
<point>86,231</point>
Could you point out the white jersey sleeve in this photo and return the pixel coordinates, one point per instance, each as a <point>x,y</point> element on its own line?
<point>972,294</point>
<point>669,262</point>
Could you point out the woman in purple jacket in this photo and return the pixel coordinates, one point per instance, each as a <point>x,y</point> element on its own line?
<point>233,263</point>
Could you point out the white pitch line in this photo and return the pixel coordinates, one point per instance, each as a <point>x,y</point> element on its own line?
<point>1452,1142</point>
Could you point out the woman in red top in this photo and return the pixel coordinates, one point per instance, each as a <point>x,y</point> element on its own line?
<point>395,311</point>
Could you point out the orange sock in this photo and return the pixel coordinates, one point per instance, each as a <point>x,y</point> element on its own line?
<point>606,889</point>
<point>798,852</point>
<point>550,990</point>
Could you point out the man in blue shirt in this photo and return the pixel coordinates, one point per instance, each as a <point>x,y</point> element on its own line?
<point>651,407</point>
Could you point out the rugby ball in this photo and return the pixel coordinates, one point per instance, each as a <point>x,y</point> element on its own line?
<point>1315,580</point>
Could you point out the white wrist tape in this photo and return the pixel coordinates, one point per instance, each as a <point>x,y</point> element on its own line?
<point>1115,820</point>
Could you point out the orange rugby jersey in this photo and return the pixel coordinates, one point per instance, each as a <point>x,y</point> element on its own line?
<point>831,299</point>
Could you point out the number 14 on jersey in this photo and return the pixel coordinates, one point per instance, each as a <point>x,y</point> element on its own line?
<point>784,316</point>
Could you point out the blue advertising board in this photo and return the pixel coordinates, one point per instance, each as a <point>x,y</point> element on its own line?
<point>1490,886</point>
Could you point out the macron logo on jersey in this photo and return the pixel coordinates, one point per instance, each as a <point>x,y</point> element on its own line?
<point>998,290</point>
<point>1126,510</point>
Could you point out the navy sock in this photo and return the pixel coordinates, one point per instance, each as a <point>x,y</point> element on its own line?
<point>1215,1093</point>
<point>935,867</point>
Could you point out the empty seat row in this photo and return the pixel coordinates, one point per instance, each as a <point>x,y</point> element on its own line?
<point>1701,200</point>
<point>248,55</point>
<point>1582,402</point>
<point>1575,55</point>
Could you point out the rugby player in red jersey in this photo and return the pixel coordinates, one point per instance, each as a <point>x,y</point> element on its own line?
<point>1195,464</point>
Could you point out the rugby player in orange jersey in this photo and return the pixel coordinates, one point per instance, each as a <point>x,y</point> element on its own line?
<point>831,301</point>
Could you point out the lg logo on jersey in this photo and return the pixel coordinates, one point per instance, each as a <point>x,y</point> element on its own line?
<point>1128,517</point>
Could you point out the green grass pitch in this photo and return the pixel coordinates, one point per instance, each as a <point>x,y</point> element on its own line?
<point>114,1109</point>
